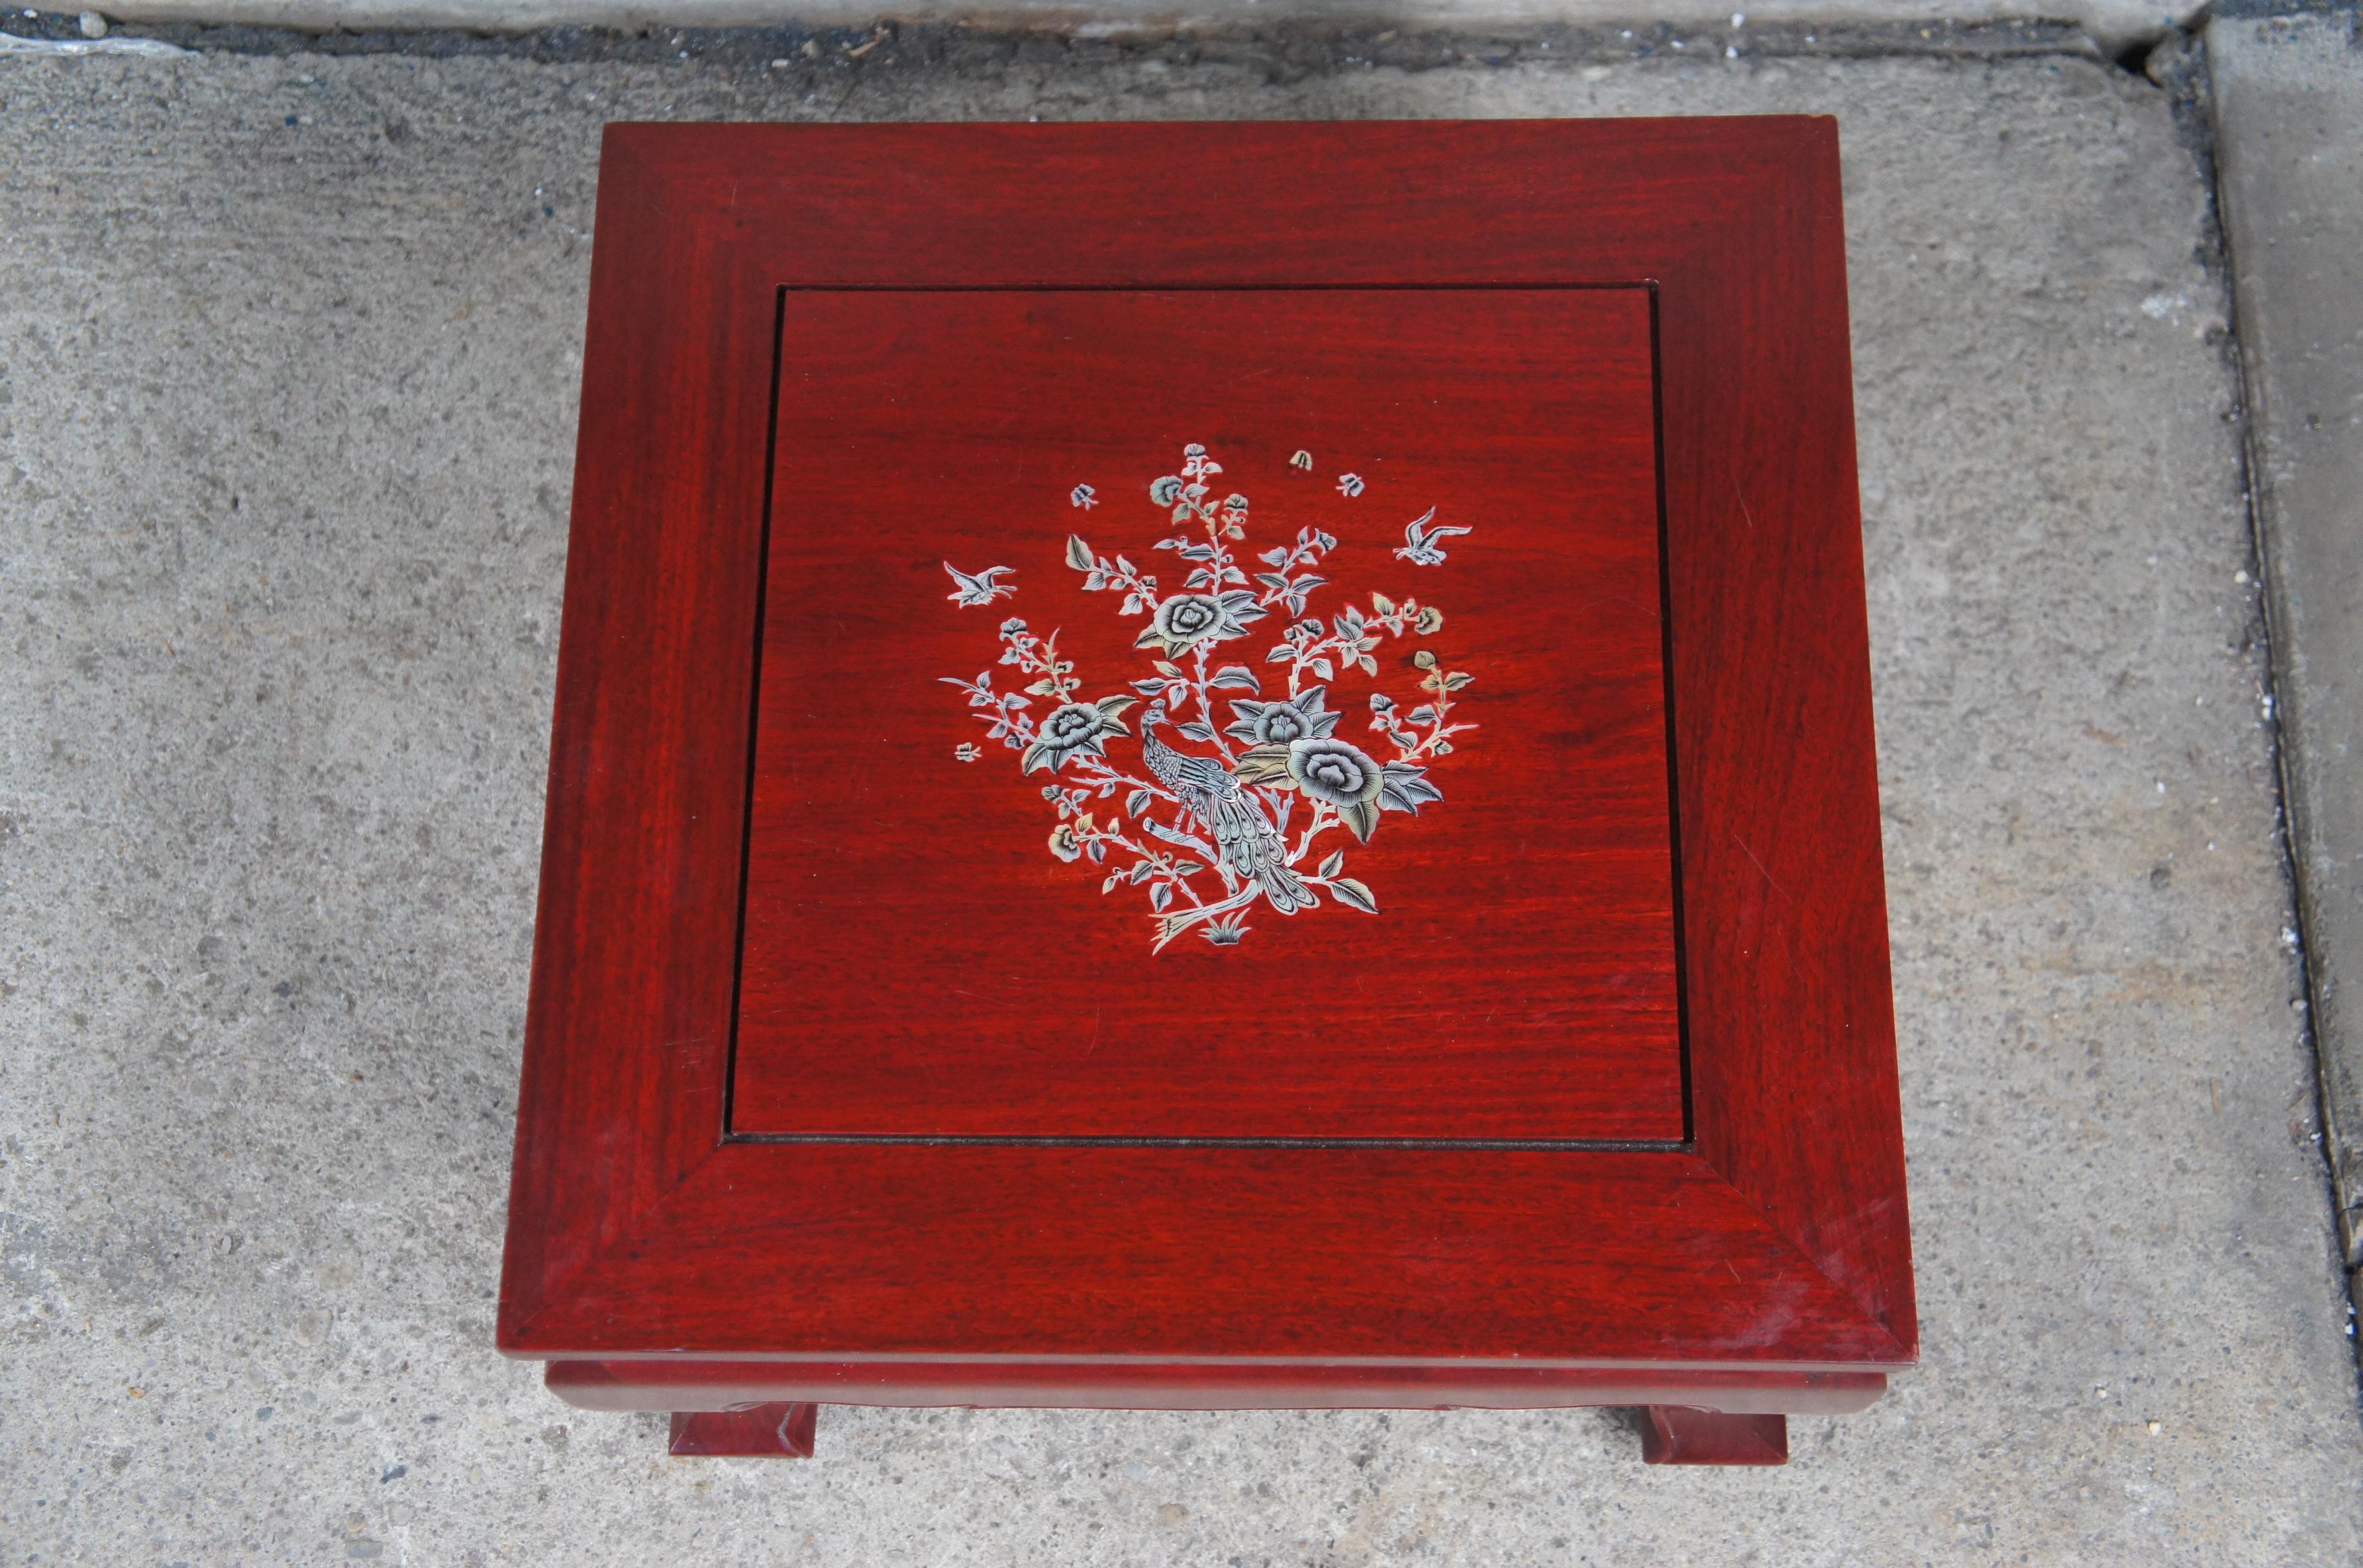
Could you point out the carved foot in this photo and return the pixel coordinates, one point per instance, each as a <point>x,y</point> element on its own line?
<point>775,1432</point>
<point>1676,1434</point>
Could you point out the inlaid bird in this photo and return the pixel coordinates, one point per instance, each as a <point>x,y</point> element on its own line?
<point>1419,540</point>
<point>980,588</point>
<point>1230,813</point>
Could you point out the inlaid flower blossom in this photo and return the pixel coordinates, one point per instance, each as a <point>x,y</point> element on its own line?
<point>1188,619</point>
<point>1072,730</point>
<point>1243,817</point>
<point>1339,772</point>
<point>1267,723</point>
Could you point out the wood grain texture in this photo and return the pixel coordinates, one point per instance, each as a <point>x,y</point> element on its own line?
<point>1779,1241</point>
<point>918,963</point>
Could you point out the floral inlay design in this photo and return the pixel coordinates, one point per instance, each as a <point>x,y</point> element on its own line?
<point>1258,806</point>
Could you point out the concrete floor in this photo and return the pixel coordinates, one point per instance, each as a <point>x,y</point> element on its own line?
<point>288,352</point>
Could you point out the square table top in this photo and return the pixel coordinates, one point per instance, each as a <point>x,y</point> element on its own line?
<point>1231,745</point>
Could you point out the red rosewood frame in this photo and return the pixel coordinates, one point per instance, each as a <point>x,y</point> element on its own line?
<point>1761,1266</point>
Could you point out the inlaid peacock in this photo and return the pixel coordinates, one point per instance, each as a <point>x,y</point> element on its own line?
<point>1249,846</point>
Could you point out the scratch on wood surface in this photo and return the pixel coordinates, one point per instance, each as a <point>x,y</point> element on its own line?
<point>1760,866</point>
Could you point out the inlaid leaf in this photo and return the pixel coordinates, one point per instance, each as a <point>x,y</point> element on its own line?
<point>1262,765</point>
<point>1350,891</point>
<point>1335,864</point>
<point>1406,787</point>
<point>1079,554</point>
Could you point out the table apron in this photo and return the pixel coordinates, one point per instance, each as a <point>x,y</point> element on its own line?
<point>684,1385</point>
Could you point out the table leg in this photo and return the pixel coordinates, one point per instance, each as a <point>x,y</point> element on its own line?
<point>1677,1434</point>
<point>775,1432</point>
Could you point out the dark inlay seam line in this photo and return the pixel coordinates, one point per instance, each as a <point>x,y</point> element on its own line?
<point>754,709</point>
<point>926,1140</point>
<point>1673,747</point>
<point>1490,286</point>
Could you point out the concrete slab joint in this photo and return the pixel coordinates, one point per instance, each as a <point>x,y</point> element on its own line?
<point>2115,25</point>
<point>2288,91</point>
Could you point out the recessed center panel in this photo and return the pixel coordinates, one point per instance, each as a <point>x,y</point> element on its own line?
<point>1212,715</point>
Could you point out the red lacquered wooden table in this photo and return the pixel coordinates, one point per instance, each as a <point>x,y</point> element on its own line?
<point>1214,766</point>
